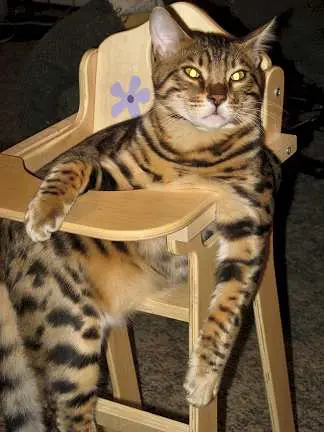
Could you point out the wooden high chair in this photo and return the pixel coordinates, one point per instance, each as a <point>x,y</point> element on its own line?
<point>180,216</point>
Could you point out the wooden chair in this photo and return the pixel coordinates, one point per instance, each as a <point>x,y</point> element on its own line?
<point>180,216</point>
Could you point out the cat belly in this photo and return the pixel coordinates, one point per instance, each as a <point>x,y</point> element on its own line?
<point>124,279</point>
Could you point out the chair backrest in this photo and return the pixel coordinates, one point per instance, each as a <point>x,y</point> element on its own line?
<point>124,68</point>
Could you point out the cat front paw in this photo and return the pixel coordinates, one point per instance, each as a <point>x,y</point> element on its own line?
<point>43,217</point>
<point>205,371</point>
<point>201,385</point>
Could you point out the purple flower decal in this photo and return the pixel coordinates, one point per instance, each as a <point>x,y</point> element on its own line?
<point>130,99</point>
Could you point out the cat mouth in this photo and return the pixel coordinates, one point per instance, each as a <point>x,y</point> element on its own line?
<point>215,115</point>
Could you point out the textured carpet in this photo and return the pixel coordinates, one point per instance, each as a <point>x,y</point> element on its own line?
<point>161,344</point>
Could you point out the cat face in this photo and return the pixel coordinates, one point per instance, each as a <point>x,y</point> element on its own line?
<point>210,80</point>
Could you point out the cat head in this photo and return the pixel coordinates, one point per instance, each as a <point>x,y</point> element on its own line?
<point>210,80</point>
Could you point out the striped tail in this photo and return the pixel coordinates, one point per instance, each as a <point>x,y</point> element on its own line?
<point>19,401</point>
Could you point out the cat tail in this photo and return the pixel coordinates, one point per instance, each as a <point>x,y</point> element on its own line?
<point>19,399</point>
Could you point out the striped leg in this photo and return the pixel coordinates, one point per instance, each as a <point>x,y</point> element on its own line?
<point>236,281</point>
<point>20,402</point>
<point>73,374</point>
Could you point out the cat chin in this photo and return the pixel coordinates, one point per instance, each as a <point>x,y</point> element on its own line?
<point>213,122</point>
<point>208,126</point>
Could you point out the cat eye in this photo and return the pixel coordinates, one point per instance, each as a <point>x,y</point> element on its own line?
<point>192,72</point>
<point>238,75</point>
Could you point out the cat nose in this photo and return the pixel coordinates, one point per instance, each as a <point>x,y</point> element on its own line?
<point>217,99</point>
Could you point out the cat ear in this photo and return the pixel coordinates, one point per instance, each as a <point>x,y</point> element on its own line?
<point>258,41</point>
<point>167,35</point>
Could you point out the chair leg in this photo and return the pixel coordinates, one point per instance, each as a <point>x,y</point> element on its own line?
<point>271,344</point>
<point>121,367</point>
<point>201,285</point>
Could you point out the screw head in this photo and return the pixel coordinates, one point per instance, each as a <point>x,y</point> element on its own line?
<point>277,91</point>
<point>288,150</point>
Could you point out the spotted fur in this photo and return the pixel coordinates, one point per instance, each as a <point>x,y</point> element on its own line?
<point>203,133</point>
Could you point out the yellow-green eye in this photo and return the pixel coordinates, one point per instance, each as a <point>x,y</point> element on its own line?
<point>192,72</point>
<point>238,75</point>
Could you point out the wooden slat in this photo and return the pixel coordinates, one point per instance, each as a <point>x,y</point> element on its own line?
<point>122,367</point>
<point>174,304</point>
<point>121,418</point>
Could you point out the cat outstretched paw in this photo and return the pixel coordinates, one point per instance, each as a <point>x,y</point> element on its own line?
<point>44,216</point>
<point>201,385</point>
<point>204,373</point>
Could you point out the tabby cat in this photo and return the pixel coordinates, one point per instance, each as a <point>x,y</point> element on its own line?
<point>60,291</point>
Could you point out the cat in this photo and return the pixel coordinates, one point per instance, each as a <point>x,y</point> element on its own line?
<point>60,290</point>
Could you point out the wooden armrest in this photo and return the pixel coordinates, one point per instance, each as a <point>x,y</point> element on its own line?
<point>49,143</point>
<point>130,215</point>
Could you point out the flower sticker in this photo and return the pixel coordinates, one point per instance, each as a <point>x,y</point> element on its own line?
<point>130,99</point>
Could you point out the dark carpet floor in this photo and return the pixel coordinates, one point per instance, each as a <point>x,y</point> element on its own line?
<point>161,344</point>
